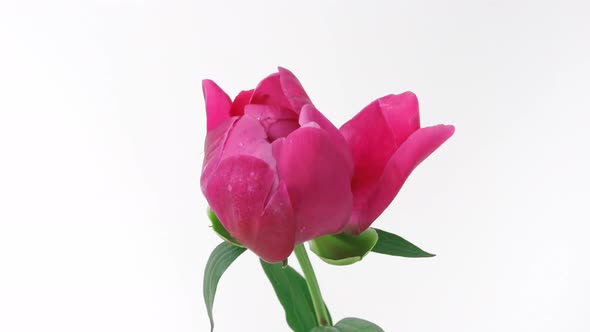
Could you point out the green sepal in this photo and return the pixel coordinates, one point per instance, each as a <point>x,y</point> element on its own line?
<point>395,245</point>
<point>344,249</point>
<point>350,325</point>
<point>220,230</point>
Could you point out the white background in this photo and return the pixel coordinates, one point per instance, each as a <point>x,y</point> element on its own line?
<point>102,123</point>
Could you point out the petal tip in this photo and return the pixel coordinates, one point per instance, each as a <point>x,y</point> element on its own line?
<point>283,70</point>
<point>210,87</point>
<point>406,99</point>
<point>207,83</point>
<point>448,130</point>
<point>217,103</point>
<point>409,95</point>
<point>451,129</point>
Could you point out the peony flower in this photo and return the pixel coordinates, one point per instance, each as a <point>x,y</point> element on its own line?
<point>278,173</point>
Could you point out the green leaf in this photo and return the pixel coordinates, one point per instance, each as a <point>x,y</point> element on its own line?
<point>220,230</point>
<point>291,289</point>
<point>394,245</point>
<point>221,258</point>
<point>344,249</point>
<point>350,325</point>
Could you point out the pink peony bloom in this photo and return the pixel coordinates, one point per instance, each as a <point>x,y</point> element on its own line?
<point>278,173</point>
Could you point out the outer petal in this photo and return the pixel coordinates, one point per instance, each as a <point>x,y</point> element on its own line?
<point>293,90</point>
<point>409,155</point>
<point>402,115</point>
<point>310,114</point>
<point>371,143</point>
<point>240,102</point>
<point>214,144</point>
<point>276,228</point>
<point>217,104</point>
<point>317,179</point>
<point>374,135</point>
<point>237,193</point>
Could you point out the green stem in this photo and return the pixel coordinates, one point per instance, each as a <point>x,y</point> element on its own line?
<point>321,311</point>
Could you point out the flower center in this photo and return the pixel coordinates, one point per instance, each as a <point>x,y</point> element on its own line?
<point>277,121</point>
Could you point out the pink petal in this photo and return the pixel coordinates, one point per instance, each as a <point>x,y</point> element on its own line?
<point>241,100</point>
<point>276,228</point>
<point>235,137</point>
<point>217,104</point>
<point>310,114</point>
<point>214,143</point>
<point>317,179</point>
<point>248,138</point>
<point>237,193</point>
<point>374,135</point>
<point>245,137</point>
<point>281,89</point>
<point>409,155</point>
<point>371,143</point>
<point>402,115</point>
<point>293,90</point>
<point>269,92</point>
<point>278,122</point>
